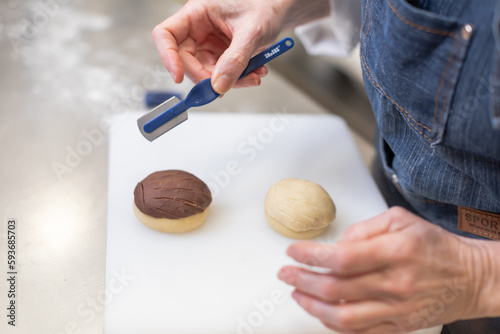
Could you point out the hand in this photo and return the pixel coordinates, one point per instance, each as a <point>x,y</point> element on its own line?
<point>390,274</point>
<point>209,38</point>
<point>217,38</point>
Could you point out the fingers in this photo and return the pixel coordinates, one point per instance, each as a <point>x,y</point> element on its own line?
<point>205,40</point>
<point>166,36</point>
<point>332,288</point>
<point>394,219</point>
<point>195,70</point>
<point>344,260</point>
<point>381,328</point>
<point>183,55</point>
<point>199,57</point>
<point>167,48</point>
<point>252,79</point>
<point>348,317</point>
<point>175,40</point>
<point>261,71</point>
<point>233,62</point>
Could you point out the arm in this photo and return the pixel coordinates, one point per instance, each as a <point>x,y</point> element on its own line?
<point>217,38</point>
<point>396,273</point>
<point>487,263</point>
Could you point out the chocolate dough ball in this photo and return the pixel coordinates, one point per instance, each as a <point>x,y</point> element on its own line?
<point>172,201</point>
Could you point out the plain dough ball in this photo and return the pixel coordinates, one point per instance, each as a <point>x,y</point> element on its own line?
<point>299,209</point>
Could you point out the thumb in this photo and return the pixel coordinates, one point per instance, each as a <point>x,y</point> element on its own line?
<point>232,63</point>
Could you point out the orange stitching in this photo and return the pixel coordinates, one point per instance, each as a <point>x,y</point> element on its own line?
<point>452,56</point>
<point>374,81</point>
<point>369,21</point>
<point>448,89</point>
<point>406,113</point>
<point>366,16</point>
<point>436,99</point>
<point>408,116</point>
<point>418,26</point>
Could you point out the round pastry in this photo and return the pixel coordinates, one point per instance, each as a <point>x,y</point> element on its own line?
<point>299,209</point>
<point>172,201</point>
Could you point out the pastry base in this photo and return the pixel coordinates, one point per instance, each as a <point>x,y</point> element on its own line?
<point>283,230</point>
<point>172,225</point>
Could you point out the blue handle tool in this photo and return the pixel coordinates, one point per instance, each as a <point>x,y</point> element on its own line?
<point>201,94</point>
<point>155,98</point>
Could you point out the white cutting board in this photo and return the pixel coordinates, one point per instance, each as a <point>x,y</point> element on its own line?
<point>221,278</point>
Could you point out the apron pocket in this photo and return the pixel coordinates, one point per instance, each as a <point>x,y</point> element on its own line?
<point>414,57</point>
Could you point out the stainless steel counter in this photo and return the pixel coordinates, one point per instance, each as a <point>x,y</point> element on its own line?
<point>66,66</point>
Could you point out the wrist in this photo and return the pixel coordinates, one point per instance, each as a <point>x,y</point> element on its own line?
<point>300,12</point>
<point>485,279</point>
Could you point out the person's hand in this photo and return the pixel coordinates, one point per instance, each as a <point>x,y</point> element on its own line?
<point>392,274</point>
<point>217,38</point>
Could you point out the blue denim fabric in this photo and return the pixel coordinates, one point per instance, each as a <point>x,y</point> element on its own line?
<point>435,91</point>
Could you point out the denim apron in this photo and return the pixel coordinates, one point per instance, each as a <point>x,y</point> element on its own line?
<point>432,73</point>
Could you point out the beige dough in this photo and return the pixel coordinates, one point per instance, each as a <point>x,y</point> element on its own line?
<point>172,225</point>
<point>299,209</point>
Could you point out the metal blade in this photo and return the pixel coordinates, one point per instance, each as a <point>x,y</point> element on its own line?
<point>156,112</point>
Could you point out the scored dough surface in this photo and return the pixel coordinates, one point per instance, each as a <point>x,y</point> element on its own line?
<point>172,201</point>
<point>172,194</point>
<point>299,209</point>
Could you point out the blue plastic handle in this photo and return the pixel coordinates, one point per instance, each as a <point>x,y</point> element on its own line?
<point>268,55</point>
<point>154,98</point>
<point>203,92</point>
